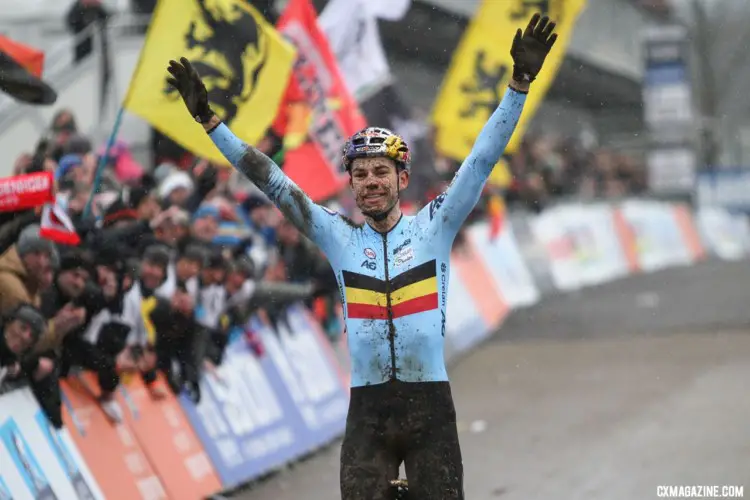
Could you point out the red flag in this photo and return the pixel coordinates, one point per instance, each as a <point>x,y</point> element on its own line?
<point>57,226</point>
<point>22,192</point>
<point>31,59</point>
<point>318,113</point>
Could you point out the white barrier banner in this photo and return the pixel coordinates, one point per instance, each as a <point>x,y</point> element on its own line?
<point>464,325</point>
<point>726,235</point>
<point>37,461</point>
<point>582,245</point>
<point>658,238</point>
<point>505,263</point>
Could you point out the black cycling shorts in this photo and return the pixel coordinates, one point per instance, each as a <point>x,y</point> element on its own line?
<point>395,422</point>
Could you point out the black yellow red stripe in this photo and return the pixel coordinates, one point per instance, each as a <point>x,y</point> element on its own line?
<point>411,292</point>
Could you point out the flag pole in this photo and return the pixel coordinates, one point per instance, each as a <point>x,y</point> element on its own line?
<point>115,130</point>
<point>103,160</point>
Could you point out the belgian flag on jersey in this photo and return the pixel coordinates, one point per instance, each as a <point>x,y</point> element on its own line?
<point>411,292</point>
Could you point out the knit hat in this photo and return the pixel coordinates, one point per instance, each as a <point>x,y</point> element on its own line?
<point>214,260</point>
<point>74,259</point>
<point>66,165</point>
<point>118,211</point>
<point>32,317</point>
<point>206,210</point>
<point>194,253</point>
<point>175,180</point>
<point>29,241</point>
<point>157,255</point>
<point>137,195</point>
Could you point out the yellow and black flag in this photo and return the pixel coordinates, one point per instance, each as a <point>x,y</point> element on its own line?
<point>243,61</point>
<point>482,66</point>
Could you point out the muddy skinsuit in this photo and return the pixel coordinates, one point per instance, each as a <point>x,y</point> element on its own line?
<point>394,289</point>
<point>401,422</point>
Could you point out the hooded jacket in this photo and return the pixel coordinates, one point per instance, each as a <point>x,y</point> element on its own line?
<point>16,287</point>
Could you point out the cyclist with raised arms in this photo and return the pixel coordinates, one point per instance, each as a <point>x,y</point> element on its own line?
<point>393,276</point>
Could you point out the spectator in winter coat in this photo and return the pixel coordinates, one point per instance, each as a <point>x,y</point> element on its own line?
<point>26,269</point>
<point>19,331</point>
<point>70,298</point>
<point>102,346</point>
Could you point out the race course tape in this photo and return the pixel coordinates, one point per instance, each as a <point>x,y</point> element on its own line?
<point>259,412</point>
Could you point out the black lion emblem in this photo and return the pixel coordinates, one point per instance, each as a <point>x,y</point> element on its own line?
<point>229,51</point>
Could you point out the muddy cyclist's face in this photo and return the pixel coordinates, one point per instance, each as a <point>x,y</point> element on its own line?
<point>376,183</point>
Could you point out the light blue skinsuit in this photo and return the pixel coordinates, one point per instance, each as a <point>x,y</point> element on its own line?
<point>393,285</point>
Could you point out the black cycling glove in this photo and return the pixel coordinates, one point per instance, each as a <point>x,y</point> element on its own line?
<point>186,80</point>
<point>530,48</point>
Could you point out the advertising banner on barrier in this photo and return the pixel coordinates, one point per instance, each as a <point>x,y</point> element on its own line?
<point>168,441</point>
<point>246,420</point>
<point>725,235</point>
<point>487,297</point>
<point>503,260</point>
<point>309,370</point>
<point>113,452</point>
<point>36,460</point>
<point>464,325</point>
<point>533,252</point>
<point>658,238</point>
<point>582,245</point>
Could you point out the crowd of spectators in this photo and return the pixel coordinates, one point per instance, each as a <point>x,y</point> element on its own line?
<point>173,262</point>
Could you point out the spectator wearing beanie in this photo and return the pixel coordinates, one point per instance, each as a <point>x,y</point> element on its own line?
<point>26,269</point>
<point>205,224</point>
<point>11,225</point>
<point>176,188</point>
<point>20,330</point>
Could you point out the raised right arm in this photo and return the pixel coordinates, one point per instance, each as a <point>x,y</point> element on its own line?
<point>314,221</point>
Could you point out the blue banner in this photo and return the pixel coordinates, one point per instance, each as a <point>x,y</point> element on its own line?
<point>67,462</point>
<point>25,462</point>
<point>306,364</point>
<point>4,491</point>
<point>247,423</point>
<point>260,412</point>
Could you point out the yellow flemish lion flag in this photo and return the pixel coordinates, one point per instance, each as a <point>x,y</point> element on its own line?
<point>482,66</point>
<point>243,61</point>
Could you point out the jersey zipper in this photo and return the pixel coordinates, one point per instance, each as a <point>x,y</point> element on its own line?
<point>391,326</point>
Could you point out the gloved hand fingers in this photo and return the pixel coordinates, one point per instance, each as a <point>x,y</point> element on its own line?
<point>548,32</point>
<point>190,70</point>
<point>176,70</point>
<point>539,28</point>
<point>532,24</point>
<point>551,41</point>
<point>516,41</point>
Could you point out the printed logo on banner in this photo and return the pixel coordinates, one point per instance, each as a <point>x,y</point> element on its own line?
<point>26,462</point>
<point>308,376</point>
<point>246,426</point>
<point>4,491</point>
<point>66,460</point>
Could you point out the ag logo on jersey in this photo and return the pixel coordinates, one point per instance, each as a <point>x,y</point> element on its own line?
<point>229,50</point>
